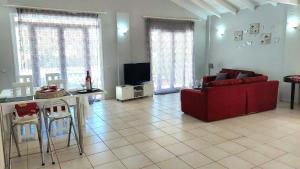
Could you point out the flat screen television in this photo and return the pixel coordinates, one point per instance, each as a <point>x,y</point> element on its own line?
<point>136,73</point>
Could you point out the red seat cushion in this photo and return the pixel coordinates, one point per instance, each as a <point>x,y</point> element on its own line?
<point>224,82</point>
<point>28,109</point>
<point>255,79</point>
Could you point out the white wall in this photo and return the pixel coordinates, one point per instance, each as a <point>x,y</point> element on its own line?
<point>272,60</point>
<point>135,8</point>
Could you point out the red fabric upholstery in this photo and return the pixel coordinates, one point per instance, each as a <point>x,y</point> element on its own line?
<point>232,73</point>
<point>207,79</point>
<point>230,98</point>
<point>225,102</point>
<point>262,96</point>
<point>26,109</point>
<point>255,79</point>
<point>193,103</point>
<point>224,82</point>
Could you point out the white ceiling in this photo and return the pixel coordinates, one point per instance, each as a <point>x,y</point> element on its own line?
<point>204,8</point>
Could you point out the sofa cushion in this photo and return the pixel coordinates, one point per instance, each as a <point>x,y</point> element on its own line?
<point>224,82</point>
<point>221,76</point>
<point>248,73</point>
<point>242,75</point>
<point>255,79</point>
<point>230,73</point>
<point>233,73</point>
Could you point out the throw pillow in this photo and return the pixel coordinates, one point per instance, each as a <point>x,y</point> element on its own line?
<point>221,76</point>
<point>242,75</point>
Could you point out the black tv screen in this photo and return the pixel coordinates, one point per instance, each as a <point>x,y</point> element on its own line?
<point>137,73</point>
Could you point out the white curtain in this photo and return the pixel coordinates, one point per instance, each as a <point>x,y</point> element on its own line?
<point>170,45</point>
<point>59,42</point>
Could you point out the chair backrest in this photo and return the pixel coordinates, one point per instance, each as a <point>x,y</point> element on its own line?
<point>61,84</point>
<point>22,89</point>
<point>56,106</point>
<point>52,76</point>
<point>26,109</point>
<point>25,78</point>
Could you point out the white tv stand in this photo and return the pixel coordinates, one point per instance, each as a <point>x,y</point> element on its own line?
<point>128,92</point>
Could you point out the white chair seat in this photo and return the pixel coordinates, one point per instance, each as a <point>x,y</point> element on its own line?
<point>59,115</point>
<point>26,120</point>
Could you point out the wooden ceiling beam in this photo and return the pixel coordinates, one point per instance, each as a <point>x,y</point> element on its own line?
<point>206,7</point>
<point>191,8</point>
<point>289,2</point>
<point>231,8</point>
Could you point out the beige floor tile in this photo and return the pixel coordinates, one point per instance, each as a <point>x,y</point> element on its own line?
<point>159,155</point>
<point>119,142</point>
<point>136,138</point>
<point>231,147</point>
<point>102,158</point>
<point>269,151</point>
<point>214,153</point>
<point>136,162</point>
<point>213,139</point>
<point>170,130</point>
<point>112,165</point>
<point>80,163</point>
<point>173,163</point>
<point>214,165</point>
<point>91,140</point>
<point>290,160</point>
<point>156,124</point>
<point>275,165</point>
<point>110,135</point>
<point>195,159</point>
<point>178,149</point>
<point>234,162</point>
<point>151,167</point>
<point>128,131</point>
<point>183,136</point>
<point>247,142</point>
<point>95,148</point>
<point>147,146</point>
<point>69,154</point>
<point>166,140</point>
<point>253,157</point>
<point>155,134</point>
<point>126,151</point>
<point>197,143</point>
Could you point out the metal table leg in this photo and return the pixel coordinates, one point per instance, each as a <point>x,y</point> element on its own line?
<point>292,95</point>
<point>79,122</point>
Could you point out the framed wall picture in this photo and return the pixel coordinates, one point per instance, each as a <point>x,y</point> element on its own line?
<point>254,28</point>
<point>265,38</point>
<point>238,35</point>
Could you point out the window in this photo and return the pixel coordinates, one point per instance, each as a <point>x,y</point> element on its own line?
<point>58,42</point>
<point>171,52</point>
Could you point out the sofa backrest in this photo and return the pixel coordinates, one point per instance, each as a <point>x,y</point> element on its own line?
<point>226,82</point>
<point>232,73</point>
<point>255,79</point>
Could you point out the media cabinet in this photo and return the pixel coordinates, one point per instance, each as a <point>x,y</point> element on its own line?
<point>128,92</point>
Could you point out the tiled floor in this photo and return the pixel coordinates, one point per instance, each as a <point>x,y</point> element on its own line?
<point>153,133</point>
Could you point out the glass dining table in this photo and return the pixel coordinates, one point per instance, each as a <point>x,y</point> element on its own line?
<point>7,102</point>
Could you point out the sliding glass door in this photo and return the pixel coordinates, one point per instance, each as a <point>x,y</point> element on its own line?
<point>58,42</point>
<point>171,52</point>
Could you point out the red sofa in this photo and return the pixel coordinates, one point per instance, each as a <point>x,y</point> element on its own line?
<point>222,99</point>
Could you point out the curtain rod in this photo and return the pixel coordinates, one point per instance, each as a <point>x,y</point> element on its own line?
<point>183,19</point>
<point>54,9</point>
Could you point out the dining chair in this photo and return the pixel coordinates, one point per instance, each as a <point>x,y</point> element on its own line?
<point>22,89</point>
<point>62,84</point>
<point>26,114</point>
<point>55,111</point>
<point>25,79</point>
<point>52,76</point>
